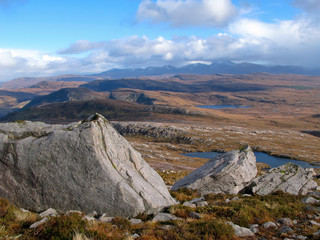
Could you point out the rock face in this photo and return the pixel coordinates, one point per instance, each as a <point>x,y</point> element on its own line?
<point>83,166</point>
<point>289,178</point>
<point>226,173</point>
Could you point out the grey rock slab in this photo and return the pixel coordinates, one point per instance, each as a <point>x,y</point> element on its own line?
<point>268,225</point>
<point>89,218</point>
<point>105,218</point>
<point>289,178</point>
<point>37,224</point>
<point>285,229</point>
<point>309,200</point>
<point>316,234</point>
<point>85,166</point>
<point>167,227</point>
<point>201,203</point>
<point>314,223</point>
<point>226,173</point>
<point>164,217</point>
<point>134,236</point>
<point>314,194</point>
<point>70,212</point>
<point>135,221</point>
<point>301,237</point>
<point>195,215</point>
<point>49,213</point>
<point>197,200</point>
<point>189,204</point>
<point>241,231</point>
<point>285,221</point>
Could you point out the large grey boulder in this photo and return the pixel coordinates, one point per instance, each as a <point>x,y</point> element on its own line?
<point>226,173</point>
<point>83,166</point>
<point>289,178</point>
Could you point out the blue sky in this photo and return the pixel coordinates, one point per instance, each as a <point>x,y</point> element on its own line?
<point>41,38</point>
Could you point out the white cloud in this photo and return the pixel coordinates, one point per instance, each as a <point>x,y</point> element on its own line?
<point>188,12</point>
<point>82,46</point>
<point>284,42</point>
<point>290,42</point>
<point>308,5</point>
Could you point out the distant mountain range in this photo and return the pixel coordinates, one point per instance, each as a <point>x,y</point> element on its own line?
<point>219,67</point>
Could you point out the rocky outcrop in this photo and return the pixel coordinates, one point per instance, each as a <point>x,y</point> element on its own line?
<point>289,178</point>
<point>83,166</point>
<point>226,173</point>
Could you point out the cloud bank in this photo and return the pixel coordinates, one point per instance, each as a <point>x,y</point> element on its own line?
<point>284,42</point>
<point>178,13</point>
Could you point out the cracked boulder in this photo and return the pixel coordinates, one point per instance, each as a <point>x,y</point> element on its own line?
<point>86,166</point>
<point>227,173</point>
<point>289,178</point>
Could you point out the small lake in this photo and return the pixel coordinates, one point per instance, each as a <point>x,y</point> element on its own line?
<point>261,157</point>
<point>222,106</point>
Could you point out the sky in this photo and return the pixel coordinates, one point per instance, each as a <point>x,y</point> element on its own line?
<point>45,38</point>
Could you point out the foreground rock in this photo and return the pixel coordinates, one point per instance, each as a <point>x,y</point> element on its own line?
<point>83,166</point>
<point>289,178</point>
<point>241,231</point>
<point>226,173</point>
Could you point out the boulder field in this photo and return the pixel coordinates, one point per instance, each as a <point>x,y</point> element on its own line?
<point>86,166</point>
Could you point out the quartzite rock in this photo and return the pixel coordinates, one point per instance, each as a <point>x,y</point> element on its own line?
<point>83,166</point>
<point>289,178</point>
<point>226,173</point>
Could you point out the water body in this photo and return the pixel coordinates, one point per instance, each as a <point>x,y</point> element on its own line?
<point>222,106</point>
<point>261,157</point>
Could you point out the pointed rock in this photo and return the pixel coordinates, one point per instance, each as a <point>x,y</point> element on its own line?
<point>226,173</point>
<point>85,166</point>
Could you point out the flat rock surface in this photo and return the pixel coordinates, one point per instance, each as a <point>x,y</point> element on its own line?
<point>226,173</point>
<point>86,166</point>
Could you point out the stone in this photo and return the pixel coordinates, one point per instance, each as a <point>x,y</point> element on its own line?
<point>135,221</point>
<point>241,231</point>
<point>201,203</point>
<point>85,166</point>
<point>285,221</point>
<point>93,214</point>
<point>289,178</point>
<point>246,195</point>
<point>37,224</point>
<point>316,234</point>
<point>301,237</point>
<point>134,236</point>
<point>49,213</point>
<point>268,225</point>
<point>105,218</point>
<point>227,173</point>
<point>195,215</point>
<point>189,204</point>
<point>164,217</point>
<point>254,228</point>
<point>314,223</point>
<point>70,212</point>
<point>285,229</point>
<point>235,199</point>
<point>309,200</point>
<point>314,194</point>
<point>89,218</point>
<point>197,200</point>
<point>167,227</point>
